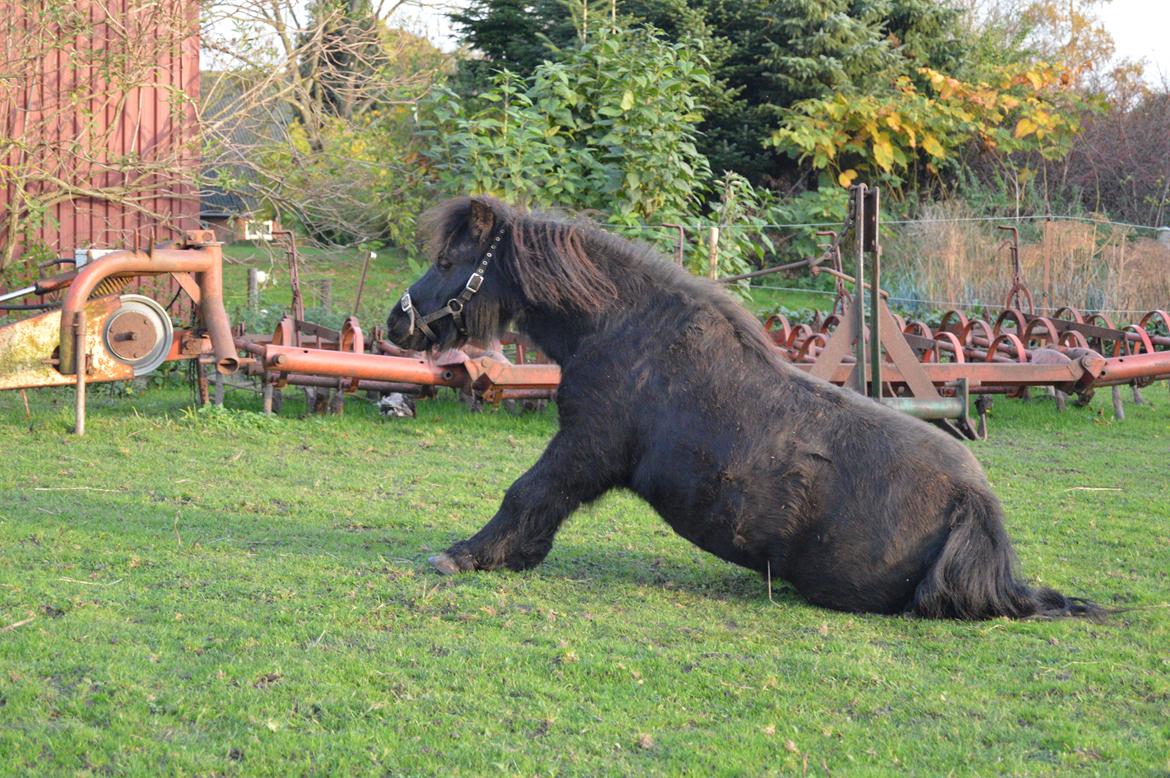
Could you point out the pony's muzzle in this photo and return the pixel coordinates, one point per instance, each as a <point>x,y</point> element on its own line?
<point>400,324</point>
<point>405,324</point>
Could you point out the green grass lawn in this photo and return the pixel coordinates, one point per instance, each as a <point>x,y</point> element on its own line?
<point>768,298</point>
<point>218,592</point>
<point>223,593</point>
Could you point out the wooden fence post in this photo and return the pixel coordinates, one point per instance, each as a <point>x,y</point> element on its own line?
<point>713,253</point>
<point>325,289</point>
<point>253,291</point>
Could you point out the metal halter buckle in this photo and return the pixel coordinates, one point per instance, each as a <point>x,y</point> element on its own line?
<point>405,302</point>
<point>474,281</point>
<point>455,304</point>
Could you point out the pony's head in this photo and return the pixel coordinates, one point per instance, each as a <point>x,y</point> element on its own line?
<point>489,263</point>
<point>465,293</point>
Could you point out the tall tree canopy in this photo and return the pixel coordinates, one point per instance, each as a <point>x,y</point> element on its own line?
<point>765,55</point>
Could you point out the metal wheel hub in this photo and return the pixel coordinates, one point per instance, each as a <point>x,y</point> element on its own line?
<point>139,333</point>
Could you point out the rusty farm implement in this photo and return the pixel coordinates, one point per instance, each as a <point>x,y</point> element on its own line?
<point>913,365</point>
<point>92,333</point>
<point>89,330</point>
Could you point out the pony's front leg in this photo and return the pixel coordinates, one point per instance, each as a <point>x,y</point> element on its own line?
<point>568,473</point>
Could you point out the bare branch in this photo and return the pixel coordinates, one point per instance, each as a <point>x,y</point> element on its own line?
<point>75,82</point>
<point>284,131</point>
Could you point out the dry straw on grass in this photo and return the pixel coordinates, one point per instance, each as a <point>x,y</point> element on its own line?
<point>1090,265</point>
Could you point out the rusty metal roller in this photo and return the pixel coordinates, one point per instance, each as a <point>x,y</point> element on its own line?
<point>139,333</point>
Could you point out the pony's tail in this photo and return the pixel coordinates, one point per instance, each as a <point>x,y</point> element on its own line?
<point>974,575</point>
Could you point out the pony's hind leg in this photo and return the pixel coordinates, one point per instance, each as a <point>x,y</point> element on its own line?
<point>520,535</point>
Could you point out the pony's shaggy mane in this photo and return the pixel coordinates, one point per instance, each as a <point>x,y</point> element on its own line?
<point>547,256</point>
<point>646,266</point>
<point>572,264</point>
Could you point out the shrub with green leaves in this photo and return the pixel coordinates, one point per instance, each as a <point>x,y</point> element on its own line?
<point>901,132</point>
<point>360,181</point>
<point>609,126</point>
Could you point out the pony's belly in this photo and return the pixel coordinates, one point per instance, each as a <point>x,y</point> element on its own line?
<point>699,509</point>
<point>830,579</point>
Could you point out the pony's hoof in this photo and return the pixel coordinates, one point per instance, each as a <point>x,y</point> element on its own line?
<point>444,564</point>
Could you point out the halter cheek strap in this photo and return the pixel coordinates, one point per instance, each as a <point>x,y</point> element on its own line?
<point>454,307</point>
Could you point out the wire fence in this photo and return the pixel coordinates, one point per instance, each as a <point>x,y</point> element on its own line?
<point>947,258</point>
<point>939,305</point>
<point>950,258</point>
<point>1022,218</point>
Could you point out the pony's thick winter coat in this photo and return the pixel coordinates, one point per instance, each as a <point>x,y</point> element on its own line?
<point>670,389</point>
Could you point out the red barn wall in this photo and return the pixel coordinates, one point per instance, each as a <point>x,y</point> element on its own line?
<point>154,121</point>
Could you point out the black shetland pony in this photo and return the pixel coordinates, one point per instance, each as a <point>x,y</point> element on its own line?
<point>670,388</point>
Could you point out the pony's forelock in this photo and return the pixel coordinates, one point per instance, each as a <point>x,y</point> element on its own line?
<point>442,224</point>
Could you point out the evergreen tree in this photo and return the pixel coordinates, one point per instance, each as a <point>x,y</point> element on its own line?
<point>518,35</point>
<point>513,34</point>
<point>765,55</point>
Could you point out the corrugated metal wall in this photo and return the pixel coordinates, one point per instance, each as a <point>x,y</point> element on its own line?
<point>64,107</point>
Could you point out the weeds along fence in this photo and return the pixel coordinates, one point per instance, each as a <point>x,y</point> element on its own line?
<point>951,257</point>
<point>948,257</point>
<point>1090,264</point>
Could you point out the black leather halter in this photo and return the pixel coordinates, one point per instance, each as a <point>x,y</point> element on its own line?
<point>454,307</point>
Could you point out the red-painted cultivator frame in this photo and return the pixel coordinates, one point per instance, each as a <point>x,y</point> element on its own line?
<point>916,367</point>
<point>94,333</point>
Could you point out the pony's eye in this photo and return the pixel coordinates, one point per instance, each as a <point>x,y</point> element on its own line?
<point>444,264</point>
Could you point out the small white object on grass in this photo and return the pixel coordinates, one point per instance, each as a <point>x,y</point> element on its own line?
<point>397,406</point>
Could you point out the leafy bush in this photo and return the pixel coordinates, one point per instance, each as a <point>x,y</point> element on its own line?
<point>764,55</point>
<point>826,206</point>
<point>362,181</point>
<point>609,127</point>
<point>903,131</point>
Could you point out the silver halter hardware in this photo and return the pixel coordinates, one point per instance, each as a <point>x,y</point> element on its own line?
<point>454,307</point>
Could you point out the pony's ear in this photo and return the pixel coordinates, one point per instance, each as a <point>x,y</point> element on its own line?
<point>483,219</point>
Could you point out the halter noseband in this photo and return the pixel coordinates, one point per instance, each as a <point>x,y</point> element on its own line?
<point>454,307</point>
